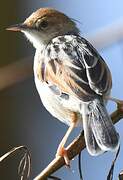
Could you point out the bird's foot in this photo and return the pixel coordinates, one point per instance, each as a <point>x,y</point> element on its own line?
<point>63,153</point>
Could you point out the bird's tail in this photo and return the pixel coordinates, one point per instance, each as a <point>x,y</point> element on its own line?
<point>99,131</point>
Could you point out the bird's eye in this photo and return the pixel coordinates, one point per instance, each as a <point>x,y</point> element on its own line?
<point>44,24</point>
<point>41,24</point>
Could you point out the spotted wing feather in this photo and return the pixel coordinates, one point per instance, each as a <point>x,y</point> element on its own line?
<point>76,68</point>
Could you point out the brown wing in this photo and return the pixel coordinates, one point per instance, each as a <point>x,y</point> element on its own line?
<point>76,68</point>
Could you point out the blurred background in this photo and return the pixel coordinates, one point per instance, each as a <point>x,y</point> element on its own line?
<point>23,119</point>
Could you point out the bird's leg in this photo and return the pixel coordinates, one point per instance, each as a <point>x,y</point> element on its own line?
<point>61,151</point>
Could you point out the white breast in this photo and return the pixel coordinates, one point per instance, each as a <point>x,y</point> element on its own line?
<point>58,107</point>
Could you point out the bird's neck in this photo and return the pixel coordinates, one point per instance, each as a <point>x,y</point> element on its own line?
<point>39,60</point>
<point>38,43</point>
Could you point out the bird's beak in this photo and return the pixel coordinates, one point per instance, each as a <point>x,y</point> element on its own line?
<point>18,27</point>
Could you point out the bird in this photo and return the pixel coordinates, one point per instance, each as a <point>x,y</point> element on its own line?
<point>72,79</point>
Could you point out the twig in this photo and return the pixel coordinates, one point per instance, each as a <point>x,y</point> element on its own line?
<point>25,163</point>
<point>80,166</point>
<point>54,178</point>
<point>111,171</point>
<point>75,148</point>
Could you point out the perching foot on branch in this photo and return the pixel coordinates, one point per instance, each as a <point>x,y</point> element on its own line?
<point>62,152</point>
<point>77,146</point>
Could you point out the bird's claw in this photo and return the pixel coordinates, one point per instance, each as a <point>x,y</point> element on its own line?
<point>62,152</point>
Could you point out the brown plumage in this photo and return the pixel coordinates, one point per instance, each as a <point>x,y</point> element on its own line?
<point>71,76</point>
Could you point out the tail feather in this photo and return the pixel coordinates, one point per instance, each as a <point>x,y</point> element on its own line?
<point>90,140</point>
<point>100,133</point>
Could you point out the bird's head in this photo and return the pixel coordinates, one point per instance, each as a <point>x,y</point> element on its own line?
<point>44,24</point>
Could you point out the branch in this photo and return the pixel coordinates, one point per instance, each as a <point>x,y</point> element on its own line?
<point>15,72</point>
<point>75,148</point>
<point>121,175</point>
<point>107,35</point>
